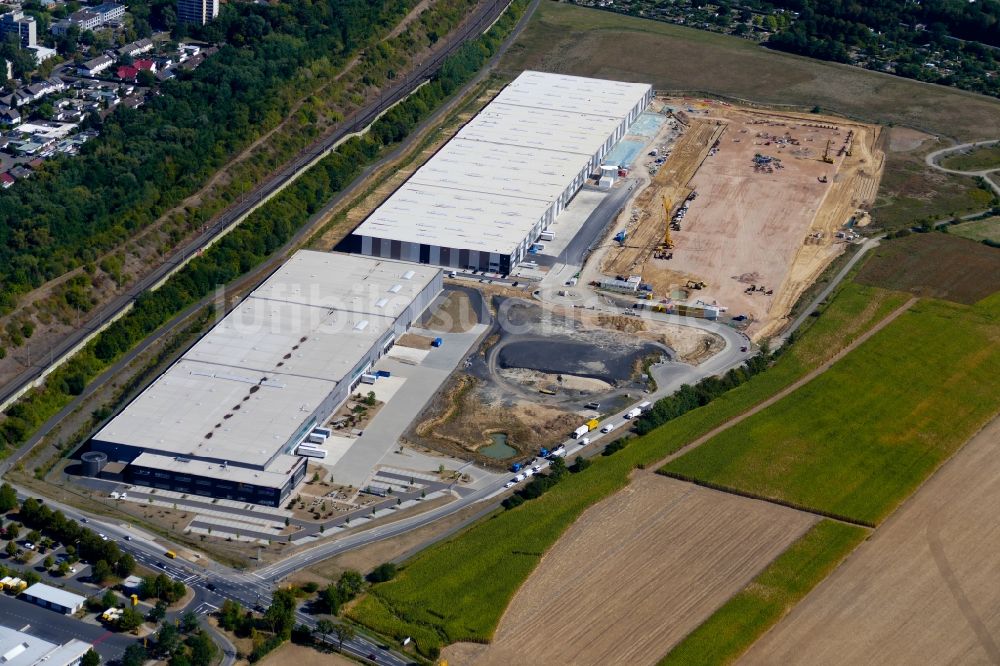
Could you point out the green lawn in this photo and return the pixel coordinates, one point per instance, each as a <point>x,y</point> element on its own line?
<point>457,590</point>
<point>988,229</point>
<point>862,436</point>
<point>974,160</point>
<point>734,627</point>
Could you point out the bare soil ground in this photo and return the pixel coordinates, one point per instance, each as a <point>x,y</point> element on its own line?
<point>935,265</point>
<point>636,573</point>
<point>368,557</point>
<point>921,590</point>
<point>300,655</point>
<point>454,315</point>
<point>414,341</point>
<point>772,227</point>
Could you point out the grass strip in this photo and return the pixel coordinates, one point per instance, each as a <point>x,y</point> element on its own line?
<point>734,627</point>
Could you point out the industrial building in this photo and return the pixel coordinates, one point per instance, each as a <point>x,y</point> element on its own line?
<point>226,418</point>
<point>58,600</point>
<point>18,648</point>
<point>483,199</point>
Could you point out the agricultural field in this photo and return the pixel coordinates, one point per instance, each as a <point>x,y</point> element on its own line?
<point>485,565</point>
<point>578,40</point>
<point>987,229</point>
<point>587,42</point>
<point>978,159</point>
<point>861,437</point>
<point>660,558</point>
<point>922,589</point>
<point>935,265</point>
<point>744,618</point>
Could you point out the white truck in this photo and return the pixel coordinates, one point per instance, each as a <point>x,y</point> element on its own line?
<point>632,413</point>
<point>581,431</point>
<point>645,406</point>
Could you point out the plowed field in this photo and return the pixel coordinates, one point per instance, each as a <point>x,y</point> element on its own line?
<point>635,574</point>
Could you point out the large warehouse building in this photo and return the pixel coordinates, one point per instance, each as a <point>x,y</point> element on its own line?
<point>224,420</point>
<point>487,195</point>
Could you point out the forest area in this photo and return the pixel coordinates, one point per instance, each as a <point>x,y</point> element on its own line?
<point>150,158</point>
<point>265,231</point>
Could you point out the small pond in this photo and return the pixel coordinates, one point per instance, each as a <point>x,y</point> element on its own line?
<point>499,449</point>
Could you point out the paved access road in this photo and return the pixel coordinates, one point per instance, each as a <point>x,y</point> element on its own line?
<point>932,160</point>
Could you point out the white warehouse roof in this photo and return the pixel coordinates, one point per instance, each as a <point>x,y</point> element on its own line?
<point>54,595</point>
<point>488,186</point>
<point>20,649</point>
<point>242,391</point>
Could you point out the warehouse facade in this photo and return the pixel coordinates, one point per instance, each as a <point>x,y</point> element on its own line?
<point>224,419</point>
<point>486,196</point>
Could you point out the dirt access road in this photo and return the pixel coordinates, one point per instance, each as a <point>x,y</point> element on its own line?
<point>922,590</point>
<point>660,557</point>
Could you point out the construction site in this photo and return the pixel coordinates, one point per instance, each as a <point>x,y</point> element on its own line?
<point>739,210</point>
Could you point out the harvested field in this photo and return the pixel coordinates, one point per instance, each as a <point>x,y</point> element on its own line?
<point>767,208</point>
<point>935,265</point>
<point>300,655</point>
<point>922,590</point>
<point>660,558</point>
<point>577,40</point>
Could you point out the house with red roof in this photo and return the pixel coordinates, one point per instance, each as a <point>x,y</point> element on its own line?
<point>6,180</point>
<point>127,73</point>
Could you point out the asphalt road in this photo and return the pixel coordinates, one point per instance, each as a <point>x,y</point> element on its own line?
<point>56,628</point>
<point>986,174</point>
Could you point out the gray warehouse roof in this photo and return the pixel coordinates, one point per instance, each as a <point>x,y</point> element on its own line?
<point>243,390</point>
<point>54,595</point>
<point>20,649</point>
<point>488,186</point>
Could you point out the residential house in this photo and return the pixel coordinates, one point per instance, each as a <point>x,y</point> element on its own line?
<point>6,180</point>
<point>144,65</point>
<point>127,73</point>
<point>20,172</point>
<point>135,48</point>
<point>9,117</point>
<point>95,66</point>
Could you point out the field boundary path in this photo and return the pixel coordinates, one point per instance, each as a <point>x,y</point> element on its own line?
<point>794,386</point>
<point>932,161</point>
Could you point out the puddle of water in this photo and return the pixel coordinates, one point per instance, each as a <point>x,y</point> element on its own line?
<point>499,449</point>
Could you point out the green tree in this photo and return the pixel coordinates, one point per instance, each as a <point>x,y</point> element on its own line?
<point>343,632</point>
<point>158,612</point>
<point>168,640</point>
<point>324,627</point>
<point>64,568</point>
<point>8,497</point>
<point>135,655</point>
<point>202,648</point>
<point>350,584</point>
<point>130,620</point>
<point>189,622</point>
<point>332,599</point>
<point>280,617</point>
<point>230,615</point>
<point>90,658</point>
<point>109,600</point>
<point>125,565</point>
<point>383,573</point>
<point>100,572</point>
<point>11,548</point>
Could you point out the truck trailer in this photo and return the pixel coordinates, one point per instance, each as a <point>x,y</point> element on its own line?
<point>632,413</point>
<point>581,431</point>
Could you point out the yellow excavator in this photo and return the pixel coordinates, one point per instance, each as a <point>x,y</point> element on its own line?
<point>668,243</point>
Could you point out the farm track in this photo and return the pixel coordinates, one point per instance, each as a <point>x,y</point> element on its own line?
<point>788,390</point>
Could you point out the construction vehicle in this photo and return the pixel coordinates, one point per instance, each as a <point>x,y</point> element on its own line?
<point>691,284</point>
<point>826,153</point>
<point>668,243</point>
<point>823,178</point>
<point>620,238</point>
